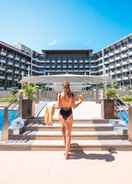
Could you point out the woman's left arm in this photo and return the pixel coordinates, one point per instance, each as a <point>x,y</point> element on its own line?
<point>77,101</point>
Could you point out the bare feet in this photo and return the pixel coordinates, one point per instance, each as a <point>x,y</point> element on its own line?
<point>66,156</point>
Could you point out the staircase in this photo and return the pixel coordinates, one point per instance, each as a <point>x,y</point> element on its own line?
<point>87,133</point>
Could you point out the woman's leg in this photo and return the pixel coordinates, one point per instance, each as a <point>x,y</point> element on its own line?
<point>64,134</point>
<point>62,121</point>
<point>69,122</point>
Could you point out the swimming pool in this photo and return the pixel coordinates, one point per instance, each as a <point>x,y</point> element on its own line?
<point>123,115</point>
<point>12,114</point>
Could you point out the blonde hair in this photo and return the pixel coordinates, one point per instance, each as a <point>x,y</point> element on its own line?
<point>66,84</point>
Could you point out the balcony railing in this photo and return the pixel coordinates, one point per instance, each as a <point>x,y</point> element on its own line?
<point>125,78</point>
<point>125,70</point>
<point>16,71</point>
<point>10,56</point>
<point>118,64</point>
<point>123,48</point>
<point>3,53</point>
<point>3,61</point>
<point>10,63</point>
<point>17,65</point>
<point>130,53</point>
<point>2,68</point>
<point>9,70</point>
<point>124,62</point>
<point>2,77</point>
<point>17,58</point>
<point>130,45</point>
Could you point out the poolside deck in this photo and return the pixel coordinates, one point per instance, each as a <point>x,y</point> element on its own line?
<point>51,167</point>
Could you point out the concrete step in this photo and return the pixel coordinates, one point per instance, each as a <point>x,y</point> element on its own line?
<point>75,121</point>
<point>86,121</point>
<point>76,127</point>
<point>57,145</point>
<point>76,135</point>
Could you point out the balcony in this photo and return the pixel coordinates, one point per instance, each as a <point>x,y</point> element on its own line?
<point>106,62</point>
<point>112,73</point>
<point>58,61</point>
<point>17,72</point>
<point>22,67</point>
<point>130,61</point>
<point>17,65</point>
<point>117,57</point>
<point>23,60</point>
<point>123,48</point>
<point>118,64</point>
<point>106,56</point>
<point>3,53</point>
<point>10,63</point>
<point>15,79</point>
<point>17,58</point>
<point>111,53</point>
<point>124,55</point>
<point>118,71</point>
<point>124,62</point>
<point>125,78</point>
<point>130,45</point>
<point>117,51</point>
<point>9,78</point>
<point>2,77</point>
<point>87,67</point>
<point>111,60</point>
<point>118,79</point>
<point>69,61</point>
<point>86,61</point>
<point>10,56</point>
<point>106,68</point>
<point>112,66</point>
<point>9,70</point>
<point>36,71</point>
<point>130,53</point>
<point>75,61</point>
<point>2,61</point>
<point>125,70</point>
<point>2,68</point>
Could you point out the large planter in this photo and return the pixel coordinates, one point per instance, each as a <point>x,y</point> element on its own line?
<point>27,108</point>
<point>108,109</point>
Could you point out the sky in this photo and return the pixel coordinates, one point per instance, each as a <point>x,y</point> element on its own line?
<point>65,24</point>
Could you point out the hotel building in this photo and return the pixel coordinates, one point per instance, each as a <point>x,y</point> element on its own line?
<point>114,60</point>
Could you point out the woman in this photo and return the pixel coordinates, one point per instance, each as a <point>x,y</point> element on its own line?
<point>66,101</point>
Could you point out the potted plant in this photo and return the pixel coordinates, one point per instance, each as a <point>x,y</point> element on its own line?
<point>109,103</point>
<point>27,102</point>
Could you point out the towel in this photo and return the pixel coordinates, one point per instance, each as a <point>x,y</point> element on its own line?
<point>48,115</point>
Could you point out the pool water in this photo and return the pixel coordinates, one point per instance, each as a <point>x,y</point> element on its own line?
<point>12,114</point>
<point>123,115</point>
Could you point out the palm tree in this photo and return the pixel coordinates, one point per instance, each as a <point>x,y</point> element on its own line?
<point>29,90</point>
<point>27,105</point>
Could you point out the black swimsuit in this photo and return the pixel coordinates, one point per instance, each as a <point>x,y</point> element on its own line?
<point>65,112</point>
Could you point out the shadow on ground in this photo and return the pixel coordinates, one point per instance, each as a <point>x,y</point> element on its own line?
<point>80,154</point>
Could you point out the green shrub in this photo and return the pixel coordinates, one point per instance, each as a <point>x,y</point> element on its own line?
<point>127,98</point>
<point>110,93</point>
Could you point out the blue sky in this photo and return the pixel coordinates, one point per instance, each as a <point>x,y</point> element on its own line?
<point>64,24</point>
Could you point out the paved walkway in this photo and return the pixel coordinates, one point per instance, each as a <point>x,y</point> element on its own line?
<point>50,167</point>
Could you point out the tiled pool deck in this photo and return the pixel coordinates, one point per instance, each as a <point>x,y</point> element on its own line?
<point>51,167</point>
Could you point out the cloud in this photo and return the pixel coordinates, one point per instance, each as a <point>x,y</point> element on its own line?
<point>52,43</point>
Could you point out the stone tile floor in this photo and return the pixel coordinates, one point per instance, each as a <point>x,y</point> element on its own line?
<point>36,167</point>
